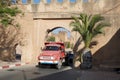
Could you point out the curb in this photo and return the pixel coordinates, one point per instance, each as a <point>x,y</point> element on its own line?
<point>13,65</point>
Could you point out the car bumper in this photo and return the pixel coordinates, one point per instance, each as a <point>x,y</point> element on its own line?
<point>48,62</point>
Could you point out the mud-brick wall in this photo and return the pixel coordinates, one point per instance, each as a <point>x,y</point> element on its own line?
<point>107,52</point>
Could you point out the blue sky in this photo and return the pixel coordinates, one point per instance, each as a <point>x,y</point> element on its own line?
<point>48,1</point>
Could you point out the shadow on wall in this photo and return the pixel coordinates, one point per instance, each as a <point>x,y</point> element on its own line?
<point>110,53</point>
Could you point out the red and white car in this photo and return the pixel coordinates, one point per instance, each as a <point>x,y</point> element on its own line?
<point>53,53</point>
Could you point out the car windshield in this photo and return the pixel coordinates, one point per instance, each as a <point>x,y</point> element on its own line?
<point>53,48</point>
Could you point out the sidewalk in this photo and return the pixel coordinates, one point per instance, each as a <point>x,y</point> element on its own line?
<point>5,65</point>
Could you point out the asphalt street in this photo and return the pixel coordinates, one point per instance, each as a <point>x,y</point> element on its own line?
<point>28,72</point>
<point>31,72</point>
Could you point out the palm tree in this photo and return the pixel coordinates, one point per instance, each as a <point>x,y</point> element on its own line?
<point>88,26</point>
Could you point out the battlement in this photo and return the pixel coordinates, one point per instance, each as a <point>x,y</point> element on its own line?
<point>65,8</point>
<point>55,1</point>
<point>76,6</point>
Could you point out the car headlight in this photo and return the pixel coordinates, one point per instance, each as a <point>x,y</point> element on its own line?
<point>52,58</point>
<point>41,57</point>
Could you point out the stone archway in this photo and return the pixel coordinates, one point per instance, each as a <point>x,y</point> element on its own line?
<point>38,18</point>
<point>60,34</point>
<point>55,28</point>
<point>42,28</point>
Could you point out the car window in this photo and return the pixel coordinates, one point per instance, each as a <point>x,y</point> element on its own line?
<point>53,48</point>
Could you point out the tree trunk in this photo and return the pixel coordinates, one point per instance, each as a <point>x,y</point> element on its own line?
<point>76,61</point>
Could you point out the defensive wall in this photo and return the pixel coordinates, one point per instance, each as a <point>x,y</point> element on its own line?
<point>40,17</point>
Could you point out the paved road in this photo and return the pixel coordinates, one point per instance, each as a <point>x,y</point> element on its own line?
<point>30,72</point>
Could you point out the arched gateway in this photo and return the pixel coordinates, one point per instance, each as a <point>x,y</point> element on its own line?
<point>42,15</point>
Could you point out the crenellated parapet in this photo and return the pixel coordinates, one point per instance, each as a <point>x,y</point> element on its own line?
<point>65,8</point>
<point>48,15</point>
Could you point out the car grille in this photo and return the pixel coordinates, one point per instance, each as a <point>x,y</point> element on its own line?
<point>46,57</point>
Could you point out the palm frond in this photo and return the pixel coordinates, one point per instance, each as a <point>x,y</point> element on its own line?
<point>83,18</point>
<point>76,19</point>
<point>95,19</point>
<point>76,27</point>
<point>99,28</point>
<point>77,24</point>
<point>88,26</point>
<point>102,25</point>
